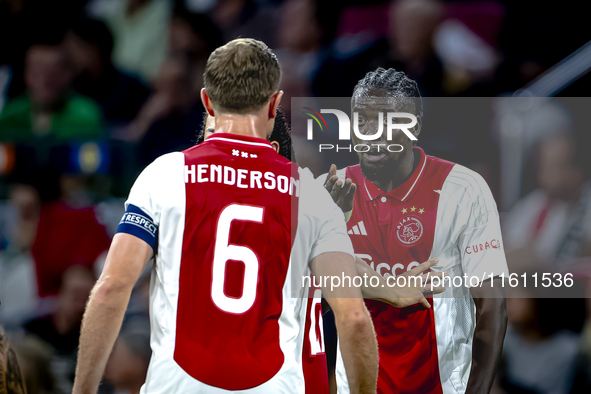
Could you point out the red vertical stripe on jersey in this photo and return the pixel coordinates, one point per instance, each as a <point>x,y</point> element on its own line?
<point>233,351</point>
<point>406,337</point>
<point>314,363</point>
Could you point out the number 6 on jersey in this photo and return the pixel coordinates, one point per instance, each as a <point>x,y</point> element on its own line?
<point>224,251</point>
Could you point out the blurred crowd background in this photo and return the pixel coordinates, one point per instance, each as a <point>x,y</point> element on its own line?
<point>91,91</point>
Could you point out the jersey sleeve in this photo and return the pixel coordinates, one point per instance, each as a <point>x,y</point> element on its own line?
<point>480,242</point>
<point>327,217</point>
<point>143,206</point>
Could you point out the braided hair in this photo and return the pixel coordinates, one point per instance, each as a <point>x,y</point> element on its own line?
<point>394,83</point>
<point>282,134</point>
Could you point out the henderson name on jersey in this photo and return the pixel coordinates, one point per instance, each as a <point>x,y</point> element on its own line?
<point>234,226</point>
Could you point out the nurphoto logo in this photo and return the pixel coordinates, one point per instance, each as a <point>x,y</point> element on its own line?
<point>344,123</point>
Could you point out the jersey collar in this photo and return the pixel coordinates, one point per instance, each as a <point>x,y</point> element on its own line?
<point>402,192</point>
<point>240,139</point>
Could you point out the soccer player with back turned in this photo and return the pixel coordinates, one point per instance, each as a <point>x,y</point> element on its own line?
<point>230,222</point>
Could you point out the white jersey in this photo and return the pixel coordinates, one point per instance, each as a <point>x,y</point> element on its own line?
<point>235,226</point>
<point>443,210</point>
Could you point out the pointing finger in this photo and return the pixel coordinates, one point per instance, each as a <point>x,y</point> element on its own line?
<point>332,171</point>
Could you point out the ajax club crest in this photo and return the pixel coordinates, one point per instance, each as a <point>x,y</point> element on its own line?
<point>409,230</point>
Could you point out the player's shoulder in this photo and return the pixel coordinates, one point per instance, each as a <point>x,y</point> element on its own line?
<point>167,161</point>
<point>312,188</point>
<point>314,200</point>
<point>461,179</point>
<point>469,192</point>
<point>307,178</point>
<point>204,148</point>
<point>163,169</point>
<point>466,192</point>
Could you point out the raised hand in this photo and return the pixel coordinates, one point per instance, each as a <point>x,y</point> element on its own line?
<point>341,192</point>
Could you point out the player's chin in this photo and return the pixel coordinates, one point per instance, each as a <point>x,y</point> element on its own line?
<point>371,169</point>
<point>374,161</point>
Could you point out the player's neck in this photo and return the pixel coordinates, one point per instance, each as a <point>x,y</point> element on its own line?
<point>246,125</point>
<point>405,169</point>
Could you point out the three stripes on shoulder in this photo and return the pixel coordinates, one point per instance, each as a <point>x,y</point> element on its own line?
<point>358,229</point>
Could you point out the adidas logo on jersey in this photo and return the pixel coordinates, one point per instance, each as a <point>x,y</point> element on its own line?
<point>358,229</point>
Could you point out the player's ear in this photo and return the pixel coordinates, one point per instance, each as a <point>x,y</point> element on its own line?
<point>417,129</point>
<point>275,146</point>
<point>274,104</point>
<point>206,102</point>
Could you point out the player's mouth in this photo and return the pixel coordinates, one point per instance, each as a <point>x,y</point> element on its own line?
<point>374,156</point>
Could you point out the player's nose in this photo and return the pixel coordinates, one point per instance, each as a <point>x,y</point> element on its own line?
<point>372,128</point>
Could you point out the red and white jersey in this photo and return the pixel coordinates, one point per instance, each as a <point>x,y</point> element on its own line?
<point>313,354</point>
<point>236,225</point>
<point>443,210</point>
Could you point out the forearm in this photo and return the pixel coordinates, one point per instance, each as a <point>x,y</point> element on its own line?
<point>359,348</point>
<point>357,337</point>
<point>487,345</point>
<point>369,292</point>
<point>376,293</point>
<point>100,328</point>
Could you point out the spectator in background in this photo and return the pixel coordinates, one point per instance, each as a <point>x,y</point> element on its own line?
<point>66,236</point>
<point>48,107</point>
<point>405,44</point>
<point>128,364</point>
<point>467,44</point>
<point>90,44</point>
<point>360,39</point>
<point>247,18</point>
<point>412,24</point>
<point>27,204</point>
<point>140,30</point>
<point>171,117</point>
<point>18,278</point>
<point>23,20</point>
<point>449,48</point>
<point>552,224</point>
<point>299,45</point>
<point>45,235</point>
<point>194,37</point>
<point>542,342</point>
<point>34,357</point>
<point>61,329</point>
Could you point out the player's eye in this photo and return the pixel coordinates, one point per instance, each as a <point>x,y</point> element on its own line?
<point>361,121</point>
